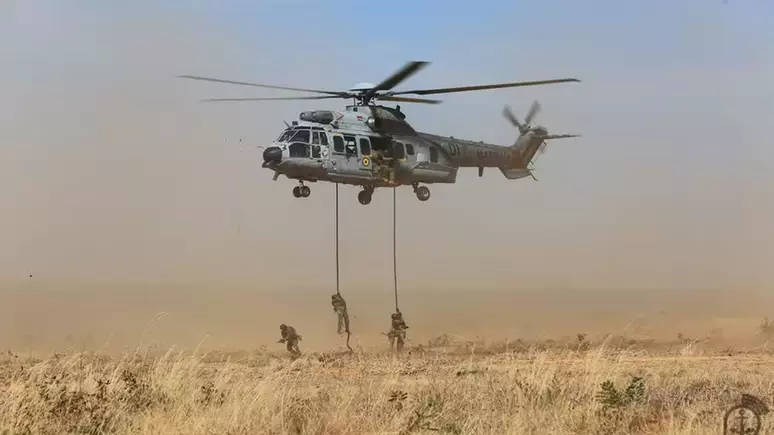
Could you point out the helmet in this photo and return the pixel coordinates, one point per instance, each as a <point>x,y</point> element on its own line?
<point>395,315</point>
<point>283,326</point>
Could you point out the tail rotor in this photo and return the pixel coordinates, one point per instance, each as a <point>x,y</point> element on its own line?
<point>531,140</point>
<point>523,128</point>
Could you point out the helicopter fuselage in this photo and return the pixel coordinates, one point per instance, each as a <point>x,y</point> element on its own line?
<point>373,146</point>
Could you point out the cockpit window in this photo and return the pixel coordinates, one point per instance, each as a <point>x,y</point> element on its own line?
<point>298,150</point>
<point>285,135</point>
<point>300,136</point>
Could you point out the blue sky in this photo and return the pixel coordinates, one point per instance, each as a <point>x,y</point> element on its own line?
<point>670,186</point>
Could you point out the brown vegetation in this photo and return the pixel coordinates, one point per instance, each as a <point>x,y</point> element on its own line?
<point>445,387</point>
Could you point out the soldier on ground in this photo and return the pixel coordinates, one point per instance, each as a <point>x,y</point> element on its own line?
<point>340,308</point>
<point>291,338</point>
<point>398,329</point>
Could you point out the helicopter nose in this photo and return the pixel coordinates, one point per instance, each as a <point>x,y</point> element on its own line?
<point>272,154</point>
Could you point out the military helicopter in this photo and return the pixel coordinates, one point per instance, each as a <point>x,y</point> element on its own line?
<point>372,145</point>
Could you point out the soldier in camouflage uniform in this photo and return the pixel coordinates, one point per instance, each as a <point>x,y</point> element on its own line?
<point>291,338</point>
<point>397,330</point>
<point>340,308</point>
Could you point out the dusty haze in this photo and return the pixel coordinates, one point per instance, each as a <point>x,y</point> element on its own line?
<point>124,198</point>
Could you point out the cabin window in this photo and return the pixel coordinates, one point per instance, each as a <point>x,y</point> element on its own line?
<point>315,137</point>
<point>298,150</point>
<point>365,147</point>
<point>323,139</point>
<point>433,155</point>
<point>349,146</point>
<point>338,144</point>
<point>399,152</point>
<point>315,151</point>
<point>380,143</point>
<point>409,149</point>
<point>301,136</point>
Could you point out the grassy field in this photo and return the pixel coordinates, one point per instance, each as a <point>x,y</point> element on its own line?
<point>507,388</point>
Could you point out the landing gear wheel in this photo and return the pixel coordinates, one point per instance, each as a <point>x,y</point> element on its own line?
<point>297,191</point>
<point>423,193</point>
<point>305,191</point>
<point>364,196</point>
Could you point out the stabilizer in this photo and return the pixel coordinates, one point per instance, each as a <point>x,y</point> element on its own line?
<point>515,174</point>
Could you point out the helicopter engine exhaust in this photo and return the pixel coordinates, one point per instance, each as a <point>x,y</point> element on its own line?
<point>374,124</point>
<point>318,116</point>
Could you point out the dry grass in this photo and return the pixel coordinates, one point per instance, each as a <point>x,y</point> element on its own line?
<point>532,389</point>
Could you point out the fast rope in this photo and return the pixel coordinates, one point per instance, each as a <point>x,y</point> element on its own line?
<point>336,244</point>
<point>336,235</point>
<point>394,250</point>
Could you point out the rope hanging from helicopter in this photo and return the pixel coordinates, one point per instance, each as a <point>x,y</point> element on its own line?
<point>343,313</point>
<point>394,250</point>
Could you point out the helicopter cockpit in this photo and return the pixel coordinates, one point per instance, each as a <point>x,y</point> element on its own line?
<point>302,141</point>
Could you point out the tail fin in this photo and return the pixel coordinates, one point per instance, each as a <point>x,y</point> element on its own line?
<point>526,144</point>
<point>531,140</point>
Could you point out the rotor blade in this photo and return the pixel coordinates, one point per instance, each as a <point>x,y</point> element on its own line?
<point>533,110</point>
<point>510,116</point>
<point>398,76</point>
<point>324,97</point>
<point>559,136</point>
<point>481,87</point>
<point>207,79</point>
<point>410,100</point>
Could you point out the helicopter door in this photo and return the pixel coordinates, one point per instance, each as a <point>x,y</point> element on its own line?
<point>399,152</point>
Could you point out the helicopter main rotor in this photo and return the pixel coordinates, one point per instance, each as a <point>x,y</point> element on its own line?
<point>382,91</point>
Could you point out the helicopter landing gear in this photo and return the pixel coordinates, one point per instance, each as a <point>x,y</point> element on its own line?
<point>365,195</point>
<point>422,192</point>
<point>302,191</point>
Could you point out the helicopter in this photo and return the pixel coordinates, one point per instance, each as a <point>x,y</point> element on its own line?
<point>372,145</point>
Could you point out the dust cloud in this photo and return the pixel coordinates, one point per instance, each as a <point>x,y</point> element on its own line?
<point>123,197</point>
<point>117,318</point>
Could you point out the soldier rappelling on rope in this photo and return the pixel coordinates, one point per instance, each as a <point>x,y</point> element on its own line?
<point>340,308</point>
<point>397,332</point>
